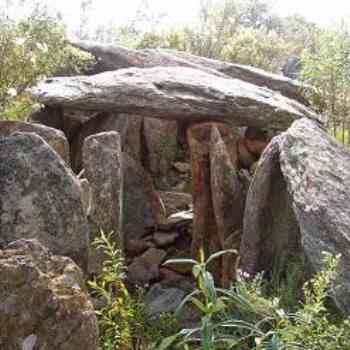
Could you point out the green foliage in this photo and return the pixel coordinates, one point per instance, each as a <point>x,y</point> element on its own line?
<point>123,320</point>
<point>115,316</point>
<point>246,318</point>
<point>326,67</point>
<point>257,48</point>
<point>32,49</point>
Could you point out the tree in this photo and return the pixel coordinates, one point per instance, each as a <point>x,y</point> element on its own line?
<point>31,49</point>
<point>257,48</point>
<point>327,69</point>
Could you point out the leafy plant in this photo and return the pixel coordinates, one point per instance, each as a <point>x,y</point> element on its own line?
<point>246,319</point>
<point>123,321</point>
<point>31,49</point>
<point>114,316</point>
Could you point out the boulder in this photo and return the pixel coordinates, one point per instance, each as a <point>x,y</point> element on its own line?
<point>163,239</point>
<point>41,198</point>
<point>137,246</point>
<point>160,300</point>
<point>55,138</point>
<point>173,93</point>
<point>271,230</point>
<point>316,169</point>
<point>298,204</point>
<point>102,158</point>
<point>142,207</point>
<point>145,268</point>
<point>43,301</point>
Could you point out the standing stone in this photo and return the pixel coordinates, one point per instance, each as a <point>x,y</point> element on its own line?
<point>41,198</point>
<point>43,301</point>
<point>205,234</point>
<point>55,138</point>
<point>102,158</point>
<point>228,198</point>
<point>161,144</point>
<point>270,229</point>
<point>316,170</point>
<point>101,122</point>
<point>142,207</point>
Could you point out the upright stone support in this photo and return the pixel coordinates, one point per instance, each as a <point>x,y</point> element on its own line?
<point>205,234</point>
<point>102,159</point>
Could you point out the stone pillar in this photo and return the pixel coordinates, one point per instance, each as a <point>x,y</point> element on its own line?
<point>102,159</point>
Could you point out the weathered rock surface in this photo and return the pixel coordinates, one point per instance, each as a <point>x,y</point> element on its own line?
<point>142,206</point>
<point>43,302</point>
<point>245,158</point>
<point>173,93</point>
<point>303,169</point>
<point>205,235</point>
<point>145,268</point>
<point>160,300</point>
<point>102,158</point>
<point>317,172</point>
<point>175,201</point>
<point>41,198</point>
<point>101,122</point>
<point>228,197</point>
<point>115,57</point>
<point>271,230</point>
<point>55,138</point>
<point>161,145</point>
<point>162,239</point>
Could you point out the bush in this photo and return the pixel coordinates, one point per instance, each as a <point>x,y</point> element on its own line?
<point>32,49</point>
<point>123,320</point>
<point>245,318</point>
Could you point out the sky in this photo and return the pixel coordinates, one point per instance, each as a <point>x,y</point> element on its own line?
<point>184,11</point>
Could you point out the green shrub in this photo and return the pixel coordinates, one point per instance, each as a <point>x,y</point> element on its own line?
<point>243,317</point>
<point>123,320</point>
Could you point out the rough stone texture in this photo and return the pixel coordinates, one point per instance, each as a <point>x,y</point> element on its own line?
<point>141,204</point>
<point>161,145</point>
<point>228,197</point>
<point>256,140</point>
<point>205,234</point>
<point>101,122</point>
<point>245,158</point>
<point>159,300</point>
<point>134,142</point>
<point>303,169</point>
<point>317,172</point>
<point>137,246</point>
<point>86,196</point>
<point>173,93</point>
<point>145,268</point>
<point>163,239</point>
<point>110,58</point>
<point>102,158</point>
<point>175,201</point>
<point>41,198</point>
<point>270,228</point>
<point>55,138</point>
<point>43,301</point>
